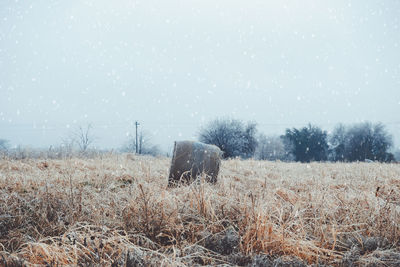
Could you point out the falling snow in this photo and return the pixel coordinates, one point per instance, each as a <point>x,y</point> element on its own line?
<point>175,67</point>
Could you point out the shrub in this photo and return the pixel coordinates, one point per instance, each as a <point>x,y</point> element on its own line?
<point>307,144</point>
<point>361,141</point>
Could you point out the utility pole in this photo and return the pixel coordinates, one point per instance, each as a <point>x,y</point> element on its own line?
<point>136,124</point>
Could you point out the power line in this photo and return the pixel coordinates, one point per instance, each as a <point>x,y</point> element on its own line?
<point>52,127</point>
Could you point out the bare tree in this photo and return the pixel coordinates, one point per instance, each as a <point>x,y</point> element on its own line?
<point>233,137</point>
<point>363,141</point>
<point>84,137</point>
<point>271,148</point>
<point>67,147</point>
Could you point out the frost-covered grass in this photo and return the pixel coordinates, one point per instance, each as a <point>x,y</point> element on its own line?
<point>118,210</point>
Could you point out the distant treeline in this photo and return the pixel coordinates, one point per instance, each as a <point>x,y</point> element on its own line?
<point>357,142</point>
<point>79,143</point>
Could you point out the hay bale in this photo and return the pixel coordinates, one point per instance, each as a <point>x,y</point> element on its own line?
<point>191,159</point>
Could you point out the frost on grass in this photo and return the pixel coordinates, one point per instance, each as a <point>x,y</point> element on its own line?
<point>117,210</point>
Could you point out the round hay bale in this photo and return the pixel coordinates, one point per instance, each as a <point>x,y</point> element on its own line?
<point>192,159</point>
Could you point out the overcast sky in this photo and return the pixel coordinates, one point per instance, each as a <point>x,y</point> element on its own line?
<point>174,65</point>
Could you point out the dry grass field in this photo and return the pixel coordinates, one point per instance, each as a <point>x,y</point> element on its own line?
<point>116,210</point>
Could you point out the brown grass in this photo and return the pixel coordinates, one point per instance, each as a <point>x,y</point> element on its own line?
<point>117,210</point>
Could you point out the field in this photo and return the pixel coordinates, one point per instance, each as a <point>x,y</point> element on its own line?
<point>116,210</point>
